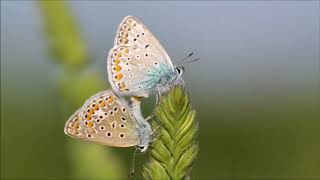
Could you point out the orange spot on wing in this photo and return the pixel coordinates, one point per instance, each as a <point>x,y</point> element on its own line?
<point>117,68</point>
<point>116,61</point>
<point>90,124</point>
<point>95,106</point>
<point>74,125</point>
<point>110,100</point>
<point>102,103</point>
<point>118,76</point>
<point>122,86</point>
<point>90,111</point>
<point>87,117</point>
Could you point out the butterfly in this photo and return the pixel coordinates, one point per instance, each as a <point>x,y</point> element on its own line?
<point>108,119</point>
<point>137,64</point>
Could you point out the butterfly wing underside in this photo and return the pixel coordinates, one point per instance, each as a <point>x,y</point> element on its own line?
<point>137,61</point>
<point>104,119</point>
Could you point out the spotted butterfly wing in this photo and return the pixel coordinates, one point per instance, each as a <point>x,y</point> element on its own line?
<point>137,62</point>
<point>104,119</point>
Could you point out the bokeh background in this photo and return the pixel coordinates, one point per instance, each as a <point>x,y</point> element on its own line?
<point>255,89</point>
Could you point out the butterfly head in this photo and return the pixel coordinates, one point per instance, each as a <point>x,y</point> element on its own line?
<point>180,70</point>
<point>177,75</point>
<point>142,148</point>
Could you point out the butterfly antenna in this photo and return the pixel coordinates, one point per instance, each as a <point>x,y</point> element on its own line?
<point>185,58</point>
<point>131,172</point>
<point>194,60</point>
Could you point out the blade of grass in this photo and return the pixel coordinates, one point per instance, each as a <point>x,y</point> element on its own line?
<point>175,149</point>
<point>75,82</point>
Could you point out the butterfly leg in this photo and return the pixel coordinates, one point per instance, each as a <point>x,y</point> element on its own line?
<point>150,116</point>
<point>155,137</point>
<point>131,172</point>
<point>156,133</point>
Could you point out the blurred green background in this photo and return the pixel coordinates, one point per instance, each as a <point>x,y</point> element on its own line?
<point>255,89</point>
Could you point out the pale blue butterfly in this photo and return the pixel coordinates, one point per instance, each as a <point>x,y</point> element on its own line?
<point>108,119</point>
<point>137,64</point>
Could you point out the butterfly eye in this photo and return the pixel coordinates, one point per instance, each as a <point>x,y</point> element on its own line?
<point>180,70</point>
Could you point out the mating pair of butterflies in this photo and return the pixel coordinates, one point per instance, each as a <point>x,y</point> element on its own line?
<point>138,66</point>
